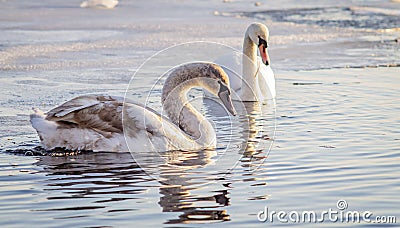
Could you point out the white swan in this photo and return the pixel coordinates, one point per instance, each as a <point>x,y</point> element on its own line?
<point>258,81</point>
<point>98,123</point>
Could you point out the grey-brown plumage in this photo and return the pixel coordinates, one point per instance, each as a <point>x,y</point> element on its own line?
<point>192,71</point>
<point>106,123</point>
<point>102,113</point>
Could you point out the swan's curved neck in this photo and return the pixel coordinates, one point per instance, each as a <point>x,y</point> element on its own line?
<point>182,113</point>
<point>250,68</point>
<point>249,47</point>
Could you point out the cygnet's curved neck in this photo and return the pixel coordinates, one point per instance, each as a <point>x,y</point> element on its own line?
<point>181,112</point>
<point>249,70</point>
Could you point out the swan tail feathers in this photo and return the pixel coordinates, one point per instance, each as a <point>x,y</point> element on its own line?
<point>37,113</point>
<point>45,129</point>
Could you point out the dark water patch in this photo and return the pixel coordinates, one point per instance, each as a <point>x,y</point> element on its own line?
<point>307,83</point>
<point>73,208</point>
<point>388,65</point>
<point>73,217</point>
<point>200,216</point>
<point>121,210</point>
<point>345,17</point>
<point>40,151</point>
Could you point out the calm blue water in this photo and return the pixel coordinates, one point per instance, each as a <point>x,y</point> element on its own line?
<point>333,134</point>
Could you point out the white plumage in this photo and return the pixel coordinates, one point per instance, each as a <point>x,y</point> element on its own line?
<point>251,77</point>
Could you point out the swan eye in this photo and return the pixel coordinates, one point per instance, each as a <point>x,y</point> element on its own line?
<point>261,41</point>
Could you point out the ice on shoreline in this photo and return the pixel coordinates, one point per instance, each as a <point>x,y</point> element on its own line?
<point>49,36</point>
<point>102,4</point>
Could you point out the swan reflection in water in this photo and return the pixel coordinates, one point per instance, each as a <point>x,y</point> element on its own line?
<point>95,181</point>
<point>183,189</point>
<point>91,183</point>
<point>254,131</point>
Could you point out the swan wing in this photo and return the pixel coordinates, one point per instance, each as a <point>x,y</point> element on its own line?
<point>144,128</point>
<point>232,65</point>
<point>266,80</point>
<point>154,131</point>
<point>102,113</point>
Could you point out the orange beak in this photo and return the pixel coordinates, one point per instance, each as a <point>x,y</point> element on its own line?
<point>264,54</point>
